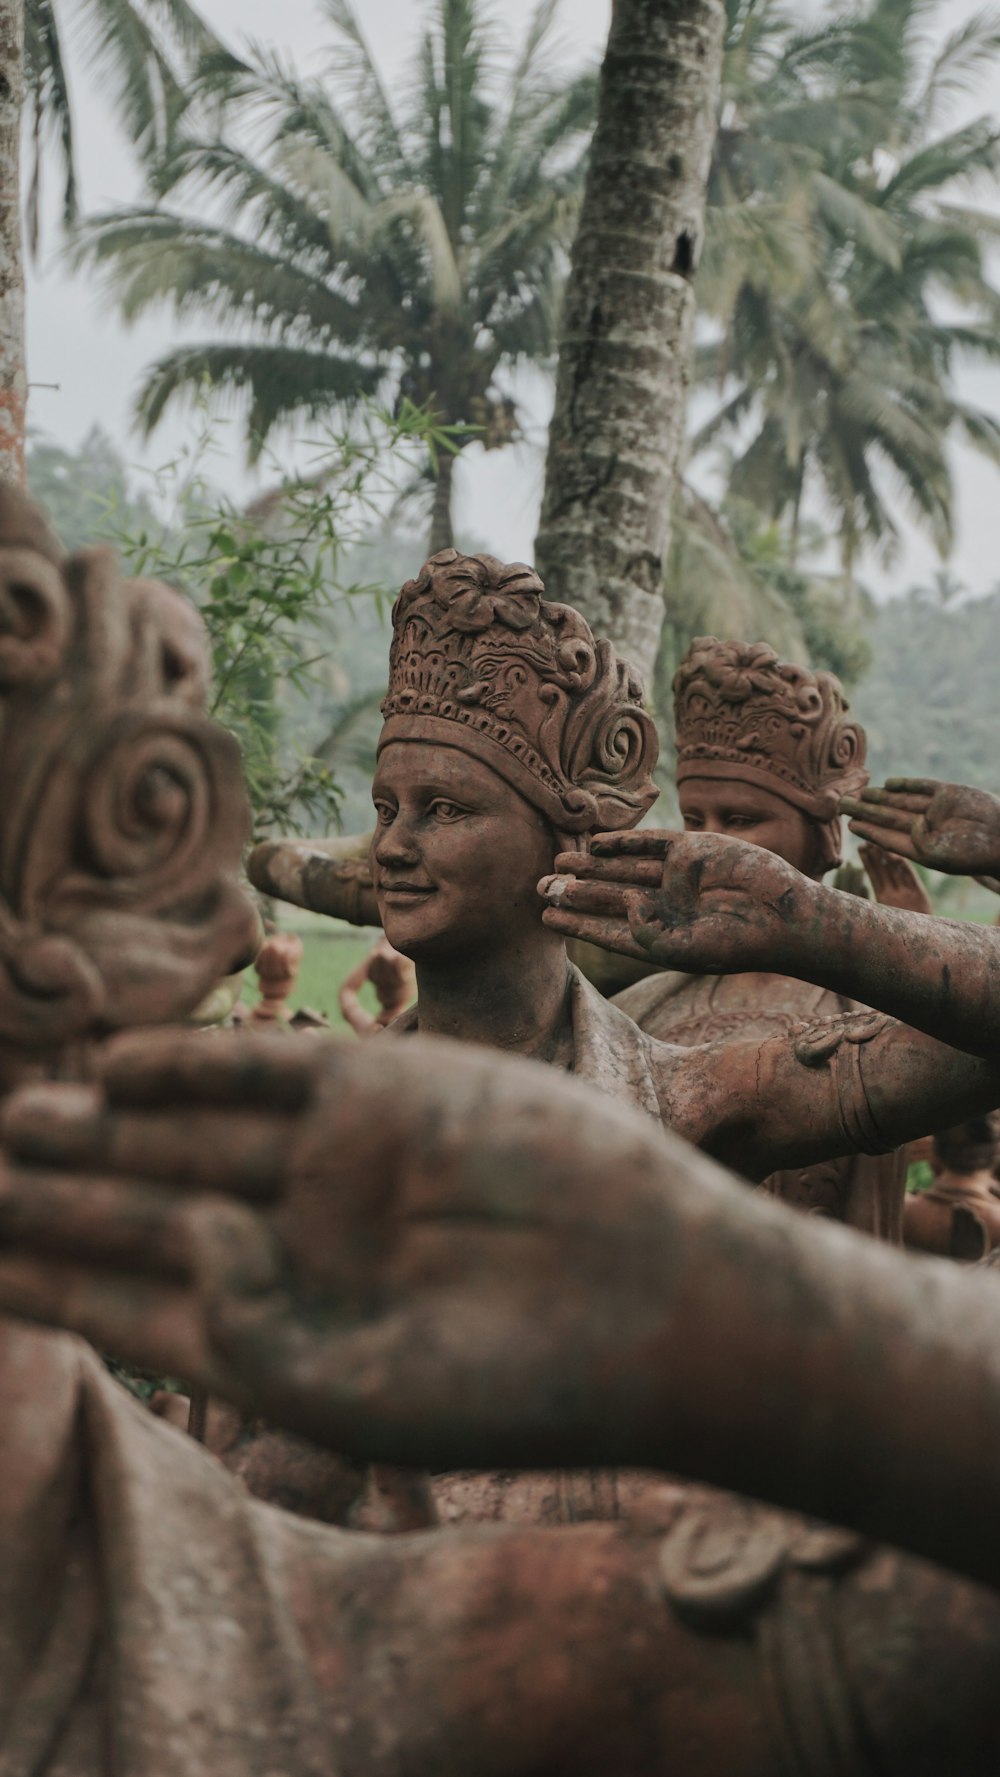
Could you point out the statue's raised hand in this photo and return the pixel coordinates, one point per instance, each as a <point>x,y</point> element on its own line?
<point>950,827</point>
<point>362,1242</point>
<point>693,901</point>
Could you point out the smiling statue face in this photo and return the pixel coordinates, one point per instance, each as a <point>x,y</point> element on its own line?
<point>456,855</point>
<point>744,811</point>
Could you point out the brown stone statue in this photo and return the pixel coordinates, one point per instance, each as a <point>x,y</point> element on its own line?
<point>765,750</point>
<point>719,905</point>
<point>959,1215</point>
<point>509,729</point>
<point>440,1256</point>
<point>124,810</point>
<point>950,827</point>
<point>411,1250</point>
<point>329,876</point>
<point>277,967</point>
<point>393,978</point>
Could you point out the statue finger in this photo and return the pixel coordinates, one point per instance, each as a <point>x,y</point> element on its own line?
<point>925,787</point>
<point>894,820</point>
<point>645,872</point>
<point>225,1068</point>
<point>875,797</point>
<point>607,898</point>
<point>647,843</point>
<point>122,1226</point>
<point>244,1152</point>
<point>891,839</point>
<point>607,934</point>
<point>154,1326</point>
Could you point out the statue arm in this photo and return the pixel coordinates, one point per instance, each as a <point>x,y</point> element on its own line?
<point>857,1084</point>
<point>719,906</point>
<point>940,976</point>
<point>412,1253</point>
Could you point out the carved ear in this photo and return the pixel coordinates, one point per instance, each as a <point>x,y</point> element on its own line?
<point>36,618</point>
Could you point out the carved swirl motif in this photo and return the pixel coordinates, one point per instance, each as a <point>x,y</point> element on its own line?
<point>36,619</point>
<point>123,812</point>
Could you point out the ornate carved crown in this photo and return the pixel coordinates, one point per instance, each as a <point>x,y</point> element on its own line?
<point>740,712</point>
<point>123,811</point>
<point>481,661</point>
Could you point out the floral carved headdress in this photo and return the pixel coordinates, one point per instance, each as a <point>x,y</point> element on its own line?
<point>741,712</point>
<point>123,810</point>
<point>481,661</point>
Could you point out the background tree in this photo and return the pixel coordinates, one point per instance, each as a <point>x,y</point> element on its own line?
<point>13,375</point>
<point>619,415</point>
<point>138,46</point>
<point>413,246</point>
<point>845,271</point>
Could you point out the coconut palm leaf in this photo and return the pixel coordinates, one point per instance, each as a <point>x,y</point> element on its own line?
<point>345,238</point>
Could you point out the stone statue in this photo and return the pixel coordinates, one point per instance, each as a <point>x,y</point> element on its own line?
<point>719,905</point>
<point>324,875</point>
<point>393,978</point>
<point>959,1215</point>
<point>950,827</point>
<point>277,967</point>
<point>509,731</point>
<point>411,1250</point>
<point>765,750</point>
<point>124,810</point>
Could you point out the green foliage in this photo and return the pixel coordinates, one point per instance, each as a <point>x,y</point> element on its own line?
<point>348,242</point>
<point>87,493</point>
<point>929,703</point>
<point>730,574</point>
<point>272,587</point>
<point>845,266</point>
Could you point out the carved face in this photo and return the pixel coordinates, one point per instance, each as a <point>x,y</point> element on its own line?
<point>744,811</point>
<point>456,854</point>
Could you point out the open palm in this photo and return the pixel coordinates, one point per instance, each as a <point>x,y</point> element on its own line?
<point>951,827</point>
<point>362,1242</point>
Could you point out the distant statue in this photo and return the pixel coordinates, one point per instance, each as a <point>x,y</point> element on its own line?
<point>277,967</point>
<point>394,980</point>
<point>765,750</point>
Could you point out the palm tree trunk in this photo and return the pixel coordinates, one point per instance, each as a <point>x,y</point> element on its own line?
<point>624,360</point>
<point>13,375</point>
<point>442,535</point>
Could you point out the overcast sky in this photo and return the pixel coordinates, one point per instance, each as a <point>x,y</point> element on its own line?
<point>76,342</point>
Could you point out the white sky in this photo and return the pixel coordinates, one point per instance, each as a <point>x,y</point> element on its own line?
<point>75,341</point>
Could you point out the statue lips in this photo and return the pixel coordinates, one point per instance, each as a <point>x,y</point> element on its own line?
<point>404,894</point>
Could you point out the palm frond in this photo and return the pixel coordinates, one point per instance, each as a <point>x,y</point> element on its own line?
<point>270,383</point>
<point>50,111</point>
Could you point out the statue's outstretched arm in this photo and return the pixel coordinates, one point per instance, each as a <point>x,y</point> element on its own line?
<point>445,1258</point>
<point>716,906</point>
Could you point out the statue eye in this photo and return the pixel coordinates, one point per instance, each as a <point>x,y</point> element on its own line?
<point>384,813</point>
<point>446,811</point>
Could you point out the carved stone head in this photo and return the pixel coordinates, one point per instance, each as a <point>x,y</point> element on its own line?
<point>743,715</point>
<point>123,811</point>
<point>482,662</point>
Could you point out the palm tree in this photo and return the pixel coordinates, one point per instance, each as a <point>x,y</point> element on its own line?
<point>361,242</point>
<point>846,279</point>
<point>13,378</point>
<point>139,45</point>
<point>619,414</point>
<point>33,75</point>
